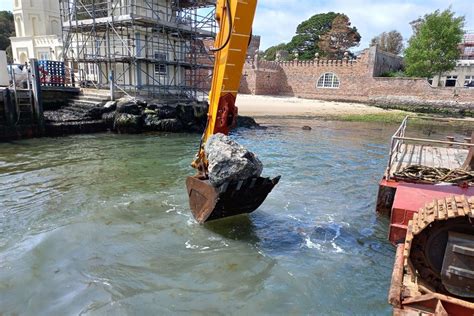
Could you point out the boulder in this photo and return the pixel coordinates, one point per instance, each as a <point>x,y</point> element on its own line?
<point>127,123</point>
<point>109,119</point>
<point>185,113</point>
<point>128,106</point>
<point>229,161</point>
<point>166,112</point>
<point>110,106</point>
<point>247,122</point>
<point>154,123</point>
<point>124,100</point>
<point>95,113</point>
<point>200,110</point>
<point>140,101</point>
<point>162,111</point>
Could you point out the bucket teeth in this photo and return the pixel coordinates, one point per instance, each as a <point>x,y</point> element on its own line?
<point>231,198</point>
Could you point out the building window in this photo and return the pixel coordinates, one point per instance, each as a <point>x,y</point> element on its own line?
<point>160,68</point>
<point>328,80</point>
<point>451,81</point>
<point>34,26</point>
<point>469,50</point>
<point>55,27</point>
<point>468,79</point>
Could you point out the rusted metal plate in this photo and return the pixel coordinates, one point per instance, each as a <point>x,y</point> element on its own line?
<point>209,203</point>
<point>457,272</point>
<point>395,292</point>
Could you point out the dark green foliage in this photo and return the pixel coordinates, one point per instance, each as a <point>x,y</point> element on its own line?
<point>342,36</point>
<point>434,50</point>
<point>7,30</point>
<point>270,53</point>
<point>307,37</point>
<point>308,33</point>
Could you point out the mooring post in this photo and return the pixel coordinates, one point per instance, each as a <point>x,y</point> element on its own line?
<point>111,82</point>
<point>7,106</point>
<point>37,97</point>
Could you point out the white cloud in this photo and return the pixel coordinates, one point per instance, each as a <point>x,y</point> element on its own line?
<point>276,20</point>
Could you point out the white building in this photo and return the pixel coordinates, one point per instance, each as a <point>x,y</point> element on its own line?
<point>152,47</point>
<point>38,30</point>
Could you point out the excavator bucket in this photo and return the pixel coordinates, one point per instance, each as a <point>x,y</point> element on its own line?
<point>232,198</point>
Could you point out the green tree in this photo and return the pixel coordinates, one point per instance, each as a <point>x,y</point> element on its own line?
<point>7,30</point>
<point>270,53</point>
<point>339,38</point>
<point>434,49</point>
<point>308,34</point>
<point>391,42</point>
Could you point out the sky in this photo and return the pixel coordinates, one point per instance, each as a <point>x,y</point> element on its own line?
<point>276,20</point>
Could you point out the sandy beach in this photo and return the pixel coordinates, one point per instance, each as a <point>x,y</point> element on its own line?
<point>257,105</point>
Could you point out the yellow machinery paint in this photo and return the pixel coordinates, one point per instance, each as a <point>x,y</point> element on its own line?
<point>207,202</point>
<point>230,54</point>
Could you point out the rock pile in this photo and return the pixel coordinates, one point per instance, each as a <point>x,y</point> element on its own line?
<point>131,115</point>
<point>128,115</point>
<point>230,161</point>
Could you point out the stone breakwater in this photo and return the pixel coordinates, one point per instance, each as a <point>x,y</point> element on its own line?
<point>131,116</point>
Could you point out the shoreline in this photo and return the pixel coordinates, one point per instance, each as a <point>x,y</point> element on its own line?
<point>259,106</point>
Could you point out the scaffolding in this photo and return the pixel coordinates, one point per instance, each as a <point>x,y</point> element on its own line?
<point>149,48</point>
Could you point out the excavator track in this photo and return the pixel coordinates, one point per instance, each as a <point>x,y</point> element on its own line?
<point>439,247</point>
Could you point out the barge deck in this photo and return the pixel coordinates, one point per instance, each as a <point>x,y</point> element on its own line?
<point>406,193</point>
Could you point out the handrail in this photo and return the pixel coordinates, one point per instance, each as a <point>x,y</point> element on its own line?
<point>395,145</point>
<point>402,126</point>
<point>434,141</point>
<point>398,140</point>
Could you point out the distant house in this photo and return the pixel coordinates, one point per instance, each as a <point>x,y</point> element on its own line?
<point>38,30</point>
<point>464,72</point>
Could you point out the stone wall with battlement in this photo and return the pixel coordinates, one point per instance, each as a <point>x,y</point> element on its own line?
<point>358,82</point>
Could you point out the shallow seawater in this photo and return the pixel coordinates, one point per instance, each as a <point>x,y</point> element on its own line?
<point>97,224</point>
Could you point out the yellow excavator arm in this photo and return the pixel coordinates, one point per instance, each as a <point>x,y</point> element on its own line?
<point>235,19</point>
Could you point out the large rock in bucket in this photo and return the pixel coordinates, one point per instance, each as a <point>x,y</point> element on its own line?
<point>229,161</point>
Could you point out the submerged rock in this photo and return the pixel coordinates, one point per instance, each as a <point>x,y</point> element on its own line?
<point>247,122</point>
<point>229,161</point>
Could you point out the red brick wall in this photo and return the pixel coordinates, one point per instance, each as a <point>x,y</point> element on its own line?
<point>299,78</point>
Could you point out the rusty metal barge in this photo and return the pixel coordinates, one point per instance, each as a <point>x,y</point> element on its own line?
<point>427,191</point>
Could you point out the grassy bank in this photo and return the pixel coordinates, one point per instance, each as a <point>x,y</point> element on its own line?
<point>396,117</point>
<point>388,117</point>
<point>430,110</point>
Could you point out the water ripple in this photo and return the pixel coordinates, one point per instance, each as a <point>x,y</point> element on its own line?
<point>99,224</point>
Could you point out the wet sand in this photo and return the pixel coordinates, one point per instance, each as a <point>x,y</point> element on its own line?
<point>257,105</point>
